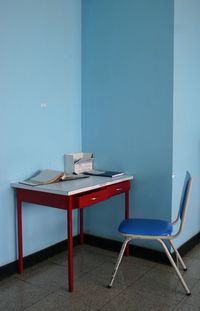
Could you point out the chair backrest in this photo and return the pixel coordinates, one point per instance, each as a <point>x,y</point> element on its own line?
<point>185,197</point>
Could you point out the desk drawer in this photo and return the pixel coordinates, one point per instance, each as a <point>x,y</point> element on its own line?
<point>90,198</point>
<point>118,188</point>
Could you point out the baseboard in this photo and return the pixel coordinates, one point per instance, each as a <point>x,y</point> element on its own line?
<point>141,252</point>
<point>190,244</point>
<point>104,243</point>
<point>137,251</point>
<point>37,257</point>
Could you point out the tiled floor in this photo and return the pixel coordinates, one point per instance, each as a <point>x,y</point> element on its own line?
<point>140,284</point>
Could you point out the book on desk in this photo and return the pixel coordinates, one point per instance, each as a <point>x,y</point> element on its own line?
<point>49,176</point>
<point>111,174</point>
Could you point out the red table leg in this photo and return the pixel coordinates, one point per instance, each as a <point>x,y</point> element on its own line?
<point>70,246</point>
<point>127,216</point>
<point>81,241</point>
<point>19,228</point>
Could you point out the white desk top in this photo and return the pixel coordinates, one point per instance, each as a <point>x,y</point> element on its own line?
<point>75,186</point>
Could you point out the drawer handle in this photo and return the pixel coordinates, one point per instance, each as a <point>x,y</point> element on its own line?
<point>93,199</point>
<point>119,189</point>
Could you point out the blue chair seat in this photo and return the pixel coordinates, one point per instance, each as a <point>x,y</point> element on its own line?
<point>139,226</point>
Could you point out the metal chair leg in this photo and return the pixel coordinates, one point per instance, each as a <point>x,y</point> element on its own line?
<point>178,255</point>
<point>119,259</point>
<point>188,292</point>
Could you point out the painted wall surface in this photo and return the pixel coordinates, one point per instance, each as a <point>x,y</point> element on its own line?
<point>127,87</point>
<point>186,131</point>
<point>127,107</point>
<point>40,59</point>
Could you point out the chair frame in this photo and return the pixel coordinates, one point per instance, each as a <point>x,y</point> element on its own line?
<point>161,240</point>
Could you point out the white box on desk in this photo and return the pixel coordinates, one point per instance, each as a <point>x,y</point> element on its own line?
<point>78,162</point>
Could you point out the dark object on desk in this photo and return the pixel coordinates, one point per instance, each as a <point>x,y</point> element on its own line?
<point>104,173</point>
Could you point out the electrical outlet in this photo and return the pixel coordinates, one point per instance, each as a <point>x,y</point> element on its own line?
<point>43,105</point>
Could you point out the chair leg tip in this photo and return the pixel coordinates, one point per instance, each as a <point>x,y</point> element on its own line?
<point>185,269</point>
<point>188,294</point>
<point>109,286</point>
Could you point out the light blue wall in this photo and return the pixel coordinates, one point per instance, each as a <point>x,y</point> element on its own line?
<point>127,106</point>
<point>127,102</point>
<point>40,59</point>
<point>186,132</point>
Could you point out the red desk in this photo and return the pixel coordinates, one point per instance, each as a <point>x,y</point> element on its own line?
<point>69,195</point>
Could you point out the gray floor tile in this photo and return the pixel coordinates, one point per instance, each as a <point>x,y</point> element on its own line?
<point>129,271</point>
<point>138,300</point>
<point>17,295</point>
<point>193,300</point>
<point>187,307</point>
<point>105,252</point>
<point>193,265</point>
<point>85,259</point>
<point>196,289</point>
<point>139,285</point>
<point>55,302</point>
<point>163,277</point>
<point>91,292</point>
<point>46,275</point>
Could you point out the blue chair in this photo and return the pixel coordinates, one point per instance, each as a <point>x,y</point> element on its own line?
<point>159,230</point>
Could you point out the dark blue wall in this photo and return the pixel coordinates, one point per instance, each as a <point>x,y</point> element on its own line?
<point>127,102</point>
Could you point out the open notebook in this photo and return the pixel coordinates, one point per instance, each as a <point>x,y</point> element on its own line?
<point>48,176</point>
